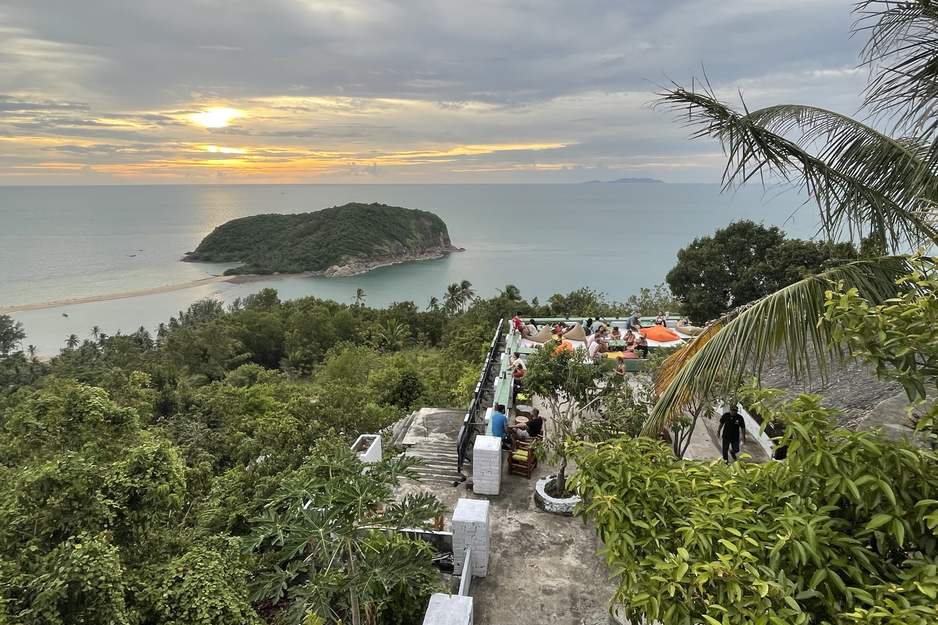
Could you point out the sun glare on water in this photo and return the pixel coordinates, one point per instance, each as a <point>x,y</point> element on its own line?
<point>215,118</point>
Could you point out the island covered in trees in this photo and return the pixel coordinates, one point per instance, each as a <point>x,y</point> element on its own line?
<point>338,241</point>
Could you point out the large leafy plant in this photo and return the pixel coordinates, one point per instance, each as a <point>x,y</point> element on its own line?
<point>333,535</point>
<point>844,531</point>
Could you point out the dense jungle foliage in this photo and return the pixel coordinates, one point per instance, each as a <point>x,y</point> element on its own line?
<point>317,241</point>
<point>148,479</point>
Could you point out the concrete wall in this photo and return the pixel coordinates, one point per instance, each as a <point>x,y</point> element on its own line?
<point>487,465</point>
<point>449,610</point>
<point>471,531</point>
<point>368,447</point>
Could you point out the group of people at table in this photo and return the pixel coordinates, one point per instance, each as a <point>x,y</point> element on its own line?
<point>511,434</point>
<point>599,333</point>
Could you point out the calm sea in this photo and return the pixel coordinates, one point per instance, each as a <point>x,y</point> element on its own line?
<point>64,242</point>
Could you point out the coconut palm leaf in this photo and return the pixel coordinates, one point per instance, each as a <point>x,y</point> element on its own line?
<point>902,55</point>
<point>863,181</point>
<point>741,342</point>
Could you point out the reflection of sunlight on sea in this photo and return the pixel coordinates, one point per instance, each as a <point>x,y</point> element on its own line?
<point>60,242</point>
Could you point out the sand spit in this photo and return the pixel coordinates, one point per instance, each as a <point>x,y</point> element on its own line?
<point>103,298</point>
<point>350,269</point>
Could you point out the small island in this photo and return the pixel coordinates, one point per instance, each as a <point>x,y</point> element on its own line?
<point>340,241</point>
<point>626,181</point>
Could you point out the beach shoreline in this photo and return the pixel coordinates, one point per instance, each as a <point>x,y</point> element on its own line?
<point>351,269</point>
<point>5,310</point>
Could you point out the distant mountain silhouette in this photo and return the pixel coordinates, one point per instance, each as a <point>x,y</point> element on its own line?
<point>627,180</point>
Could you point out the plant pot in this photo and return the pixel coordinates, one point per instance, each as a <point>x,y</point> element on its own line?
<point>545,502</point>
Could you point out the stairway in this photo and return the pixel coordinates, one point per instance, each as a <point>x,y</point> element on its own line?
<point>430,435</point>
<point>440,459</point>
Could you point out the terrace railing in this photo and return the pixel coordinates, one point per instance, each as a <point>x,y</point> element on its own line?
<point>473,418</point>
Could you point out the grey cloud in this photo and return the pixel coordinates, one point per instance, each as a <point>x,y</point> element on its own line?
<point>539,65</point>
<point>501,52</point>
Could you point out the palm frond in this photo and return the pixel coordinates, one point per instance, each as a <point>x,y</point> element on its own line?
<point>741,342</point>
<point>863,181</point>
<point>902,55</point>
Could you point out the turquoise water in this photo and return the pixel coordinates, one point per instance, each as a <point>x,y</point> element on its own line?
<point>64,242</point>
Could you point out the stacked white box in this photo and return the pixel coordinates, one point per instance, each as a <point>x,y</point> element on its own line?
<point>487,465</point>
<point>448,610</point>
<point>471,531</point>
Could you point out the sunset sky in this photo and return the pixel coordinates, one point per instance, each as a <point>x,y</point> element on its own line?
<point>388,91</point>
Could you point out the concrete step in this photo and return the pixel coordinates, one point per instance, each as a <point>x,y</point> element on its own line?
<point>399,429</point>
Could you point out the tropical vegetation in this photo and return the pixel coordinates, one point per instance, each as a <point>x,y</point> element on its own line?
<point>866,182</point>
<point>156,476</point>
<point>743,262</point>
<point>845,529</point>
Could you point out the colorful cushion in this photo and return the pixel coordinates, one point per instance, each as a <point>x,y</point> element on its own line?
<point>660,334</point>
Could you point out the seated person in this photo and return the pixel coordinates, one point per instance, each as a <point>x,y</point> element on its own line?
<point>599,324</point>
<point>593,350</point>
<point>500,425</point>
<point>628,337</point>
<point>641,345</point>
<point>529,329</point>
<point>615,335</point>
<point>515,365</point>
<point>620,366</point>
<point>634,323</point>
<point>588,326</point>
<point>516,323</point>
<point>531,429</point>
<point>661,320</point>
<point>596,348</point>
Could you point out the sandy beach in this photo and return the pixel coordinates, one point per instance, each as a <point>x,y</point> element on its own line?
<point>103,298</point>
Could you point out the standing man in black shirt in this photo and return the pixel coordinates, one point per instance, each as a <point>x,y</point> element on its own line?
<point>731,426</point>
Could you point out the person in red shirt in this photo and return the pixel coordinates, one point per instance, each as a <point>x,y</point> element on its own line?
<point>516,323</point>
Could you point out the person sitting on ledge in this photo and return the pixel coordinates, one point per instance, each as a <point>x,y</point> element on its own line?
<point>530,329</point>
<point>661,320</point>
<point>500,425</point>
<point>516,365</point>
<point>516,323</point>
<point>531,429</point>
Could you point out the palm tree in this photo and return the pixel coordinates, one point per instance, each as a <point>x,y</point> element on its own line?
<point>32,351</point>
<point>359,297</point>
<point>452,299</point>
<point>95,332</point>
<point>511,292</point>
<point>393,335</point>
<point>72,341</point>
<point>466,293</point>
<point>865,183</point>
<point>143,338</point>
<point>434,304</point>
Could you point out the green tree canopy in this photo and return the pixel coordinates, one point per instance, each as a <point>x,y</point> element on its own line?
<point>742,263</point>
<point>11,333</point>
